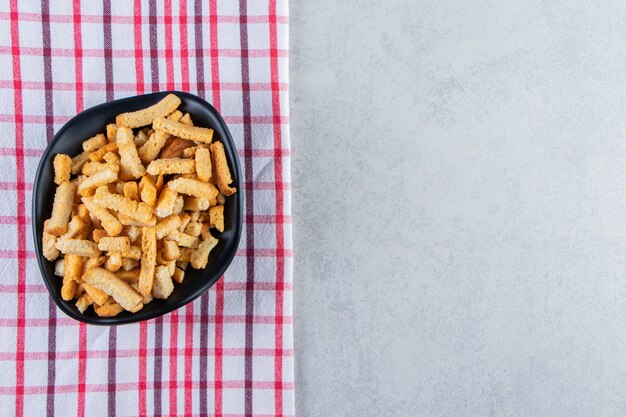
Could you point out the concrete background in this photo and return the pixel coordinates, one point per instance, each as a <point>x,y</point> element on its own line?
<point>459,190</point>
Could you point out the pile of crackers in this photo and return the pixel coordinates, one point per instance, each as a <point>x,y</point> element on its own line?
<point>136,208</point>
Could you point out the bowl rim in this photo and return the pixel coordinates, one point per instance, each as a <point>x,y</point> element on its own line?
<point>167,308</point>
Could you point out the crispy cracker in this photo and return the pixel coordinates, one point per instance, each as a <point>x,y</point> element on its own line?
<point>151,149</point>
<point>166,225</point>
<point>195,188</point>
<point>108,221</point>
<point>172,166</point>
<point>216,217</point>
<point>147,190</point>
<point>114,244</point>
<point>96,180</point>
<point>94,143</point>
<point>121,292</point>
<point>221,170</point>
<point>148,259</point>
<point>61,209</point>
<point>198,134</point>
<point>79,247</point>
<point>200,256</point>
<point>130,164</point>
<point>167,199</point>
<point>145,116</point>
<point>162,286</point>
<point>62,168</point>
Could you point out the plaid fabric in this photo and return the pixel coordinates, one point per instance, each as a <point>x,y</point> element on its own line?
<point>230,352</point>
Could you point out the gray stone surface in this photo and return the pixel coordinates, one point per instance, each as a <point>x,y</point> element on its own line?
<point>459,190</point>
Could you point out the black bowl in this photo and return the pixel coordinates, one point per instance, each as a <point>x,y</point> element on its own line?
<point>69,140</point>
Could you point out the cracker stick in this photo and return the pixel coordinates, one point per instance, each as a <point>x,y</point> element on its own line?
<point>61,209</point>
<point>97,234</point>
<point>216,217</point>
<point>145,116</point>
<point>100,178</point>
<point>73,266</point>
<point>150,150</point>
<point>148,259</point>
<point>130,164</point>
<point>167,199</point>
<point>147,190</point>
<point>114,244</point>
<point>78,161</point>
<point>79,247</point>
<point>193,229</point>
<point>196,203</point>
<point>62,168</point>
<point>137,210</point>
<point>97,156</point>
<point>200,256</point>
<point>109,222</point>
<point>163,286</point>
<point>75,226</point>
<point>166,225</point>
<point>198,134</point>
<point>203,164</point>
<point>112,158</point>
<point>178,275</point>
<point>175,148</point>
<point>92,168</point>
<point>83,302</point>
<point>194,188</point>
<point>187,241</point>
<point>96,294</point>
<point>114,262</point>
<point>48,244</point>
<point>112,132</point>
<point>169,250</point>
<point>94,143</point>
<point>220,168</point>
<point>131,190</point>
<point>175,116</point>
<point>110,309</point>
<point>186,120</point>
<point>121,292</point>
<point>68,289</point>
<point>172,166</point>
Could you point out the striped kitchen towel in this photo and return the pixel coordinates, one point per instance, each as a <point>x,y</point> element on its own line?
<point>230,352</point>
